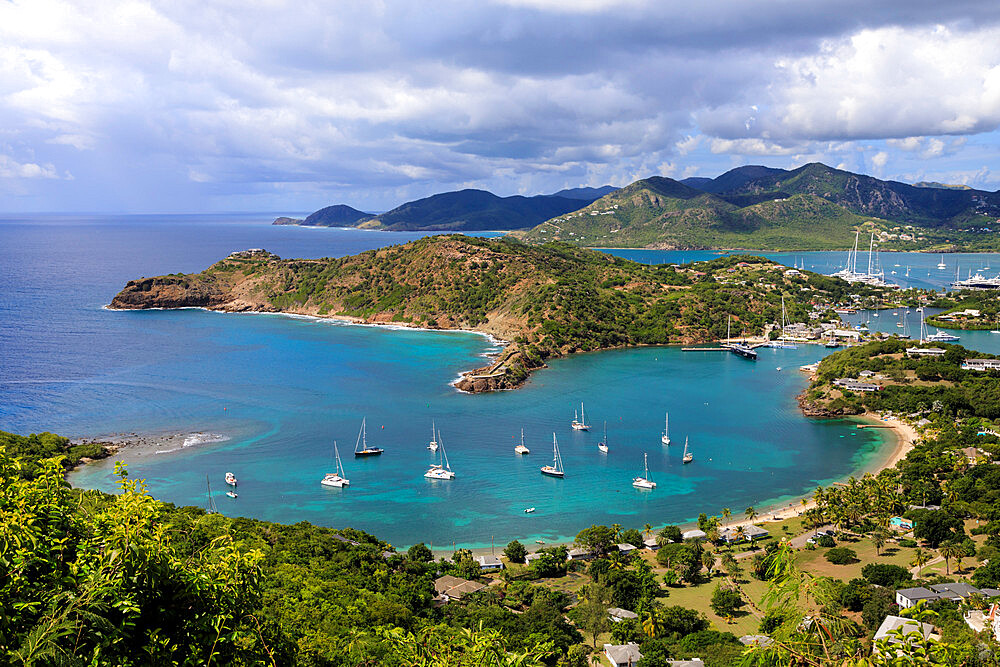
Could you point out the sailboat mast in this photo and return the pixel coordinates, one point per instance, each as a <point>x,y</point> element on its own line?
<point>871,246</point>
<point>444,453</point>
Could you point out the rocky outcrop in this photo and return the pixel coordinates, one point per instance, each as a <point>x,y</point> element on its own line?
<point>168,292</point>
<point>287,221</point>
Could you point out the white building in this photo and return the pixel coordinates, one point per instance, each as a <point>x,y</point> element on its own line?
<point>490,563</point>
<point>981,365</point>
<point>913,631</point>
<point>622,655</point>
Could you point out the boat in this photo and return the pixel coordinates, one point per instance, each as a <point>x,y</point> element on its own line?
<point>874,276</point>
<point>780,343</point>
<point>688,456</point>
<point>994,331</point>
<point>644,482</point>
<point>941,265</point>
<point>832,344</point>
<point>521,449</point>
<point>433,444</point>
<point>556,469</point>
<point>665,438</point>
<point>942,337</point>
<point>580,423</point>
<point>361,447</point>
<point>977,282</point>
<point>212,509</point>
<point>603,444</point>
<point>231,494</point>
<point>336,479</point>
<point>529,510</point>
<point>739,349</point>
<point>440,470</point>
<point>231,479</point>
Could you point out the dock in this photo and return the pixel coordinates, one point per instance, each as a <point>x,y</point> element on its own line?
<point>705,349</point>
<point>874,426</point>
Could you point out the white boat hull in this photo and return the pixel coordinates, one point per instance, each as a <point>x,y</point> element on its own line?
<point>641,483</point>
<point>552,472</point>
<point>335,481</point>
<point>521,449</point>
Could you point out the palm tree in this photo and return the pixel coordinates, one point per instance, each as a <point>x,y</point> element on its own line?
<point>750,513</point>
<point>726,513</point>
<point>879,538</point>
<point>708,560</point>
<point>651,624</point>
<point>958,560</point>
<point>648,528</point>
<point>920,558</point>
<point>741,534</point>
<point>948,551</point>
<point>617,527</point>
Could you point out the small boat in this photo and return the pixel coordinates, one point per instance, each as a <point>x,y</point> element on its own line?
<point>231,494</point>
<point>539,542</point>
<point>688,456</point>
<point>831,344</point>
<point>230,479</point>
<point>440,470</point>
<point>433,445</point>
<point>556,469</point>
<point>580,423</point>
<point>529,510</point>
<point>603,444</point>
<point>874,314</point>
<point>644,482</point>
<point>665,438</point>
<point>941,265</point>
<point>336,479</point>
<point>995,331</point>
<point>521,449</point>
<point>361,447</point>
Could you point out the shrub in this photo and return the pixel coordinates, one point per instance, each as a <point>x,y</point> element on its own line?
<point>841,556</point>
<point>725,601</point>
<point>909,544</point>
<point>825,541</point>
<point>515,552</point>
<point>884,574</point>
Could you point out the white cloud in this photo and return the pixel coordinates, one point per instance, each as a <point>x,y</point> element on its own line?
<point>10,168</point>
<point>880,159</point>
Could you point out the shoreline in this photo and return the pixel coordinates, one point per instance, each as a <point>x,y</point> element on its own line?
<point>127,447</point>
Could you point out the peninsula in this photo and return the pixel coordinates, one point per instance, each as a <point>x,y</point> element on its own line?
<point>547,300</point>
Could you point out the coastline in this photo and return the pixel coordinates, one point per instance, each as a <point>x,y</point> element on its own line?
<point>127,447</point>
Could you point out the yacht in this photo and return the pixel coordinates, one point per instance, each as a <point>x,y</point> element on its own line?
<point>941,265</point>
<point>230,479</point>
<point>942,337</point>
<point>521,449</point>
<point>361,447</point>
<point>336,479</point>
<point>603,444</point>
<point>556,469</point>
<point>433,444</point>
<point>665,438</point>
<point>440,470</point>
<point>580,422</point>
<point>688,456</point>
<point>644,482</point>
<point>231,494</point>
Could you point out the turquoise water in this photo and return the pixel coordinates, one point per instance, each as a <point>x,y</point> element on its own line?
<point>282,389</point>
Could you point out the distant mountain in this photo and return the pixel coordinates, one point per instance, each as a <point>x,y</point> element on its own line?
<point>943,186</point>
<point>588,194</point>
<point>339,215</point>
<point>733,179</point>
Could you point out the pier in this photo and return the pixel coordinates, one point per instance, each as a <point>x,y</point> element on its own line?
<point>704,349</point>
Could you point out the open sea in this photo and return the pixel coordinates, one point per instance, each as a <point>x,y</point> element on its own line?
<point>265,396</point>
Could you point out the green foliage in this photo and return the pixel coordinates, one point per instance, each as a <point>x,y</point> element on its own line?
<point>725,601</point>
<point>885,574</point>
<point>841,555</point>
<point>515,552</point>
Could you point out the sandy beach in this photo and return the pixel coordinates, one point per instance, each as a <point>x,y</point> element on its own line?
<point>126,447</point>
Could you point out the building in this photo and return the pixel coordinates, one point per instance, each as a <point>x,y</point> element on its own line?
<point>625,548</point>
<point>693,662</point>
<point>579,554</point>
<point>866,374</point>
<point>533,557</point>
<point>622,655</point>
<point>851,384</point>
<point>693,535</point>
<point>651,544</point>
<point>988,620</point>
<point>925,352</point>
<point>750,533</point>
<point>955,592</point>
<point>618,615</point>
<point>981,365</point>
<point>450,588</point>
<point>972,454</point>
<point>756,640</point>
<point>490,563</point>
<point>913,631</point>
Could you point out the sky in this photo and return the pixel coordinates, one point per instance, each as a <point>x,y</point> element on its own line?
<point>265,105</point>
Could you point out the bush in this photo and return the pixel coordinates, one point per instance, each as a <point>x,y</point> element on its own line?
<point>725,601</point>
<point>841,556</point>
<point>883,574</point>
<point>515,552</point>
<point>825,541</point>
<point>909,544</point>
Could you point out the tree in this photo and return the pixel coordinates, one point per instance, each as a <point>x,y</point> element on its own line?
<point>936,526</point>
<point>633,537</point>
<point>886,575</point>
<point>750,513</point>
<point>598,539</point>
<point>841,556</point>
<point>726,513</point>
<point>948,551</point>
<point>920,558</point>
<point>878,538</point>
<point>988,576</point>
<point>515,552</point>
<point>419,553</point>
<point>647,530</point>
<point>592,613</point>
<point>708,560</point>
<point>725,601</point>
<point>669,534</point>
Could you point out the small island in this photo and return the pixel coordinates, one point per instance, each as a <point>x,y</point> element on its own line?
<point>546,301</point>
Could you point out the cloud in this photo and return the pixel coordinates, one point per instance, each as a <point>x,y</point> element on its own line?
<point>10,168</point>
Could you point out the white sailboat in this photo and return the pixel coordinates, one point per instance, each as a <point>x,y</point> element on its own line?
<point>556,469</point>
<point>603,444</point>
<point>688,456</point>
<point>440,470</point>
<point>580,424</point>
<point>941,265</point>
<point>336,479</point>
<point>521,449</point>
<point>644,482</point>
<point>212,509</point>
<point>433,444</point>
<point>665,438</point>
<point>780,343</point>
<point>361,447</point>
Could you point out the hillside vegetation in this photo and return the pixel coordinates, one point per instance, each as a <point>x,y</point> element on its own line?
<point>548,300</point>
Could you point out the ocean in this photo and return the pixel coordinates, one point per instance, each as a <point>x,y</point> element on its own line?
<point>266,396</point>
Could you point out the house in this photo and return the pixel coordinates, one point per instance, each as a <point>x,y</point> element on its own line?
<point>651,544</point>
<point>756,640</point>
<point>450,588</point>
<point>956,591</point>
<point>693,662</point>
<point>851,384</point>
<point>490,563</point>
<point>618,615</point>
<point>694,535</point>
<point>907,597</point>
<point>579,554</point>
<point>912,630</point>
<point>750,533</point>
<point>625,548</point>
<point>846,333</point>
<point>533,557</point>
<point>866,374</point>
<point>899,523</point>
<point>925,352</point>
<point>988,620</point>
<point>623,655</point>
<point>981,365</point>
<point>972,454</point>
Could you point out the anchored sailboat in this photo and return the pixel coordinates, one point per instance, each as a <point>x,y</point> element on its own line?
<point>440,470</point>
<point>556,469</point>
<point>780,343</point>
<point>665,438</point>
<point>361,447</point>
<point>581,423</point>
<point>336,479</point>
<point>603,444</point>
<point>688,456</point>
<point>433,444</point>
<point>644,482</point>
<point>212,509</point>
<point>521,449</point>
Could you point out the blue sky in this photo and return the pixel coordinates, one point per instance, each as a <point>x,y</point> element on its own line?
<point>266,105</point>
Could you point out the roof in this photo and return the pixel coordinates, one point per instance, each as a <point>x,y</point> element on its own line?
<point>918,593</point>
<point>908,624</point>
<point>960,589</point>
<point>487,561</point>
<point>626,547</point>
<point>623,653</point>
<point>693,662</point>
<point>693,534</point>
<point>456,587</point>
<point>651,543</point>
<point>622,613</point>
<point>578,553</point>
